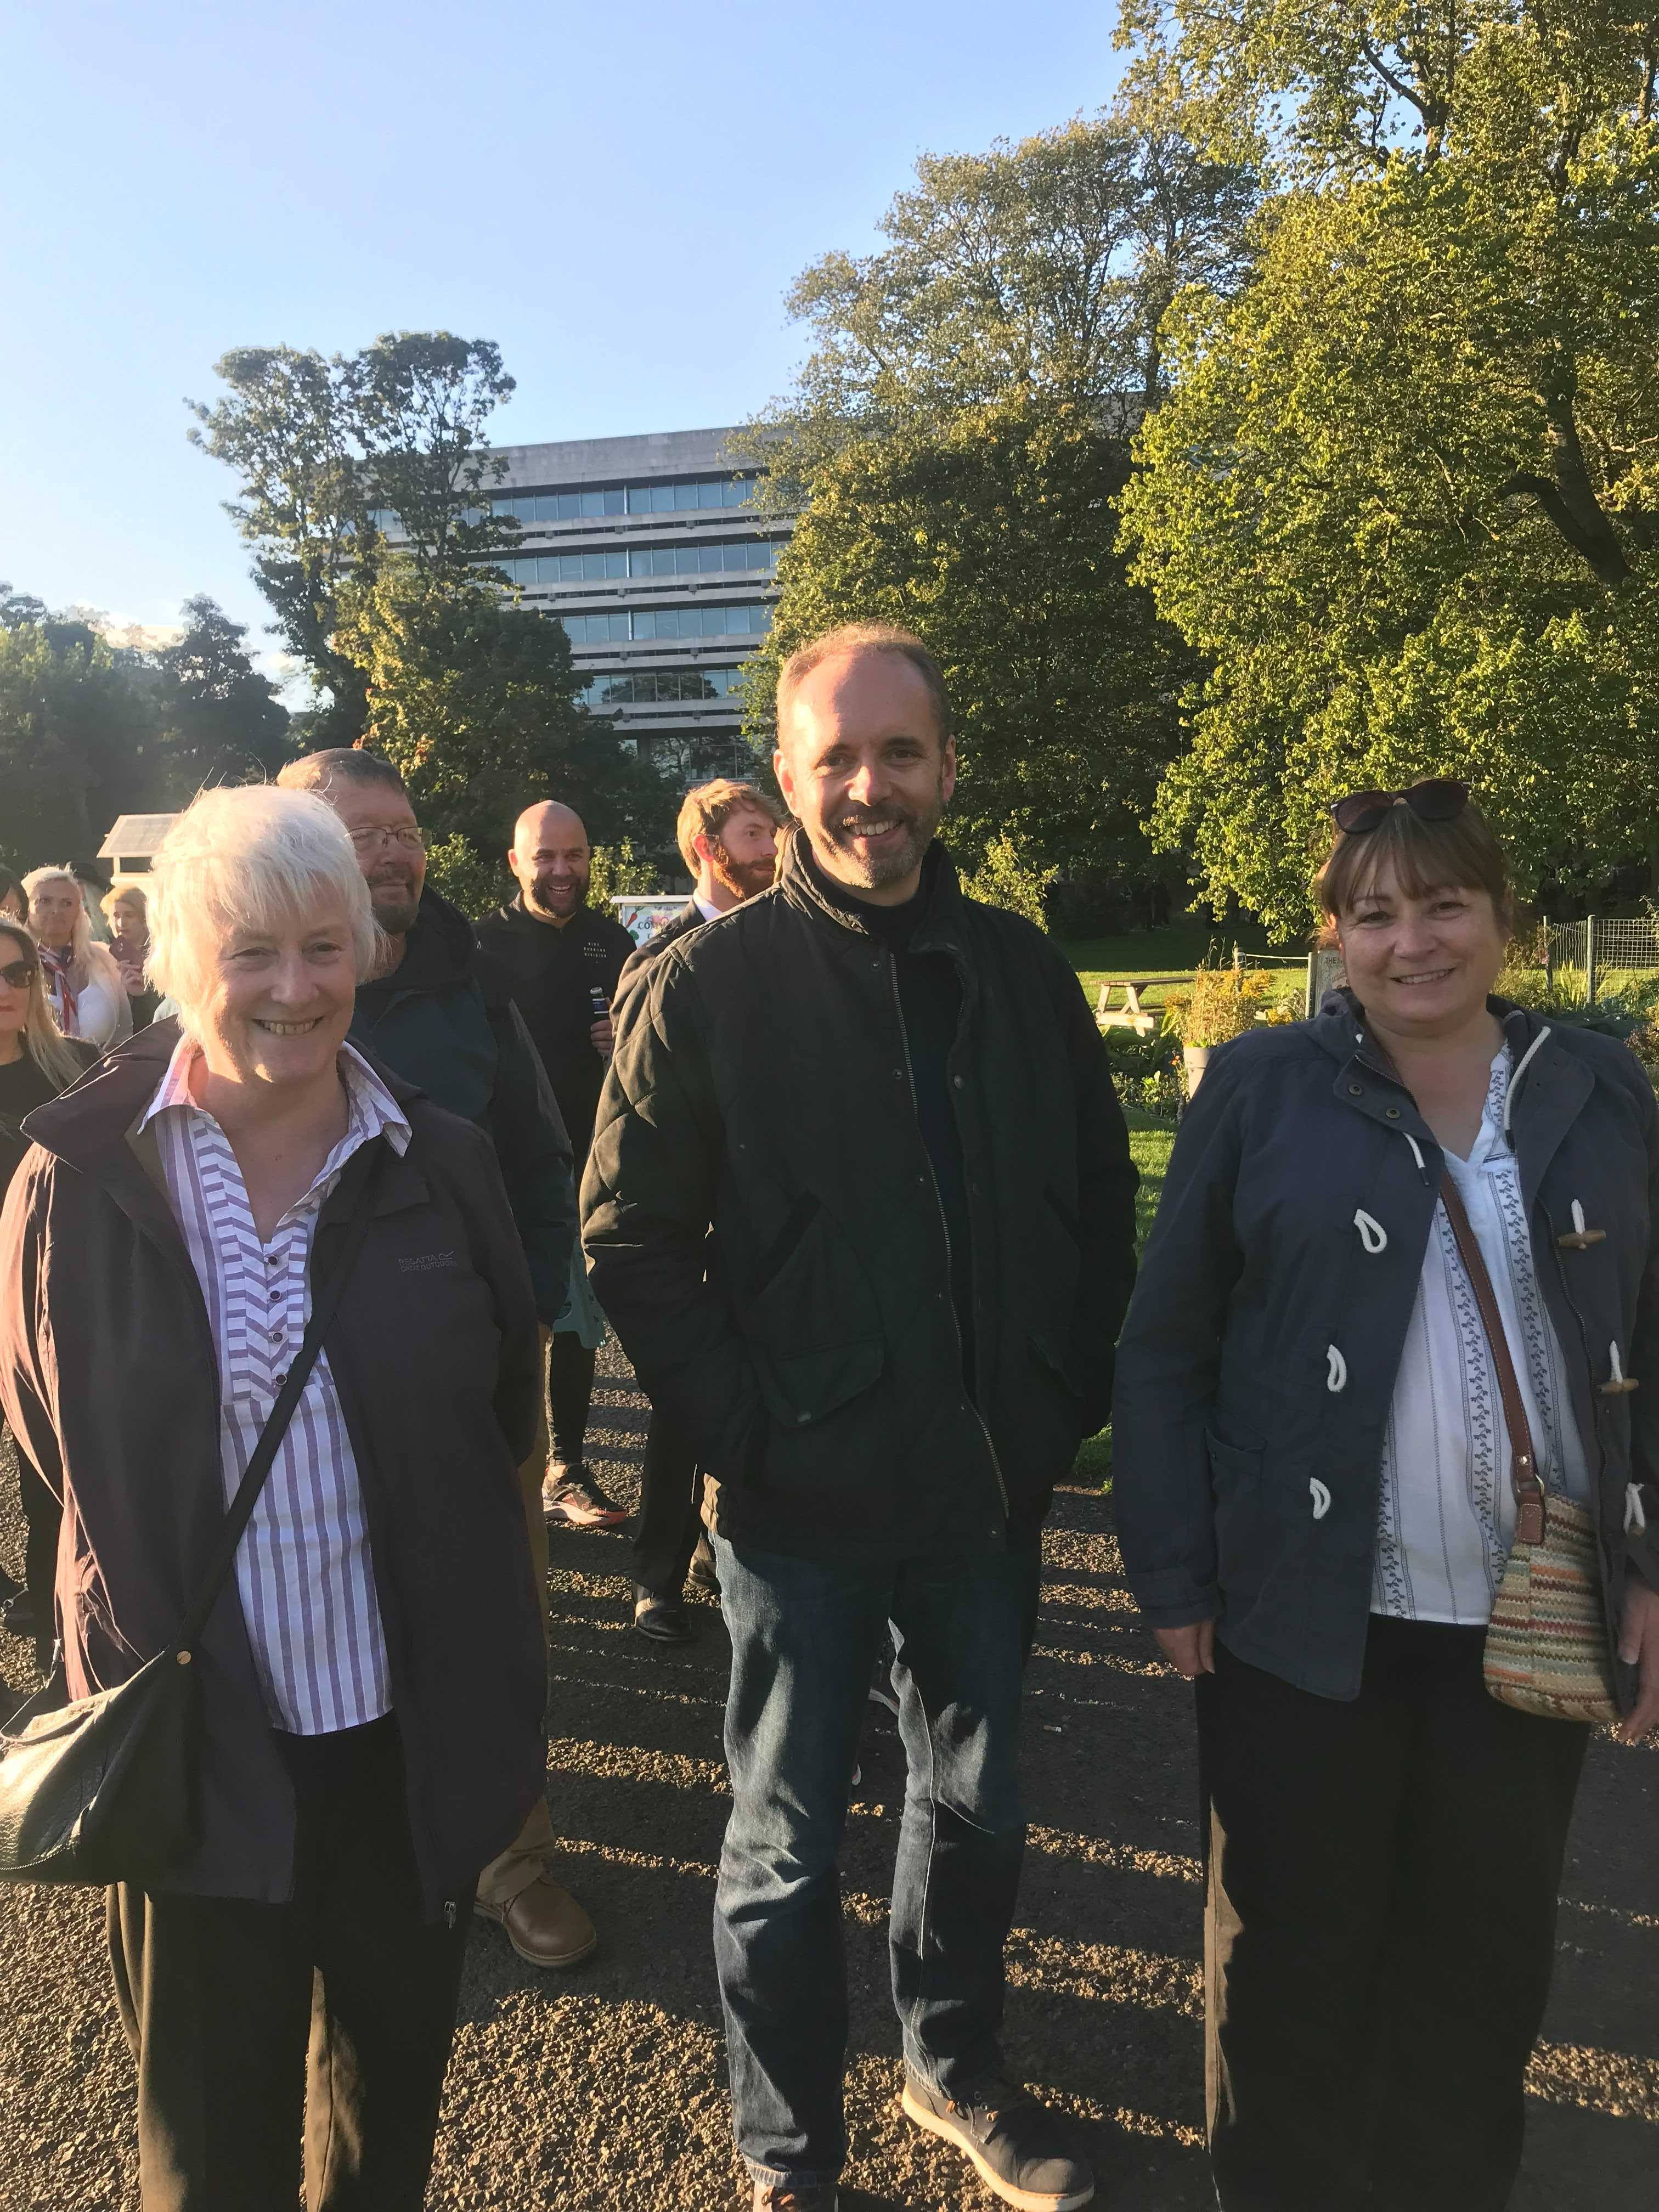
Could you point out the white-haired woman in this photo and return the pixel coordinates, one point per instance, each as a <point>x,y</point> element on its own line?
<point>373,1677</point>
<point>36,1062</point>
<point>83,983</point>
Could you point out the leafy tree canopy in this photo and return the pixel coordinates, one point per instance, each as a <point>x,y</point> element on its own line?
<point>325,448</point>
<point>473,700</point>
<point>1404,499</point>
<point>956,442</point>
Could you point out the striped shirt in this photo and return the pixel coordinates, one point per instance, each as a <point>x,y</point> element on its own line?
<point>303,1568</point>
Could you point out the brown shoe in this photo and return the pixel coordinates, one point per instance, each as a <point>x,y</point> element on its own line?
<point>794,2197</point>
<point>544,1924</point>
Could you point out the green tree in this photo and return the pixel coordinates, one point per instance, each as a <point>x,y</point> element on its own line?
<point>474,701</point>
<point>1404,498</point>
<point>324,448</point>
<point>78,739</point>
<point>221,719</point>
<point>957,441</point>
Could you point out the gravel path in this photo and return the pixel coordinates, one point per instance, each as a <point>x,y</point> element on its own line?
<point>605,2088</point>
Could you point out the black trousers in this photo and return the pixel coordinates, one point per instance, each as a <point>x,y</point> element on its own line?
<point>570,1395</point>
<point>1380,1925</point>
<point>336,2009</point>
<point>669,1521</point>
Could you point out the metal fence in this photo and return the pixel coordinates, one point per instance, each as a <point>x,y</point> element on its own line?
<point>1600,950</point>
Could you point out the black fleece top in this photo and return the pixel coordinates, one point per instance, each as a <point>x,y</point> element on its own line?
<point>930,1004</point>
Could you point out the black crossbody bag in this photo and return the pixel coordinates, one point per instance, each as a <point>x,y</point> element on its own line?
<point>105,1790</point>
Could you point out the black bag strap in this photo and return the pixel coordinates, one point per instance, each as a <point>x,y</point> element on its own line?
<point>323,1310</point>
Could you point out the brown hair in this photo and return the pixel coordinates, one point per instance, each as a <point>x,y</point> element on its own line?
<point>865,637</point>
<point>707,811</point>
<point>1425,856</point>
<point>350,763</point>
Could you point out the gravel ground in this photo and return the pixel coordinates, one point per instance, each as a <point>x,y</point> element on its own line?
<point>604,2087</point>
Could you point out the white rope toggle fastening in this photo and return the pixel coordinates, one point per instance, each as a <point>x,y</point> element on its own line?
<point>1372,1234</point>
<point>1417,1149</point>
<point>1635,1519</point>
<point>1578,1237</point>
<point>1321,1497</point>
<point>1337,1377</point>
<point>1618,1382</point>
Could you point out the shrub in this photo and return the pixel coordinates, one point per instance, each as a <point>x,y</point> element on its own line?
<point>1222,1003</point>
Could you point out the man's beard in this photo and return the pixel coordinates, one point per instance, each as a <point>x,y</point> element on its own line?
<point>742,879</point>
<point>396,903</point>
<point>542,898</point>
<point>875,871</point>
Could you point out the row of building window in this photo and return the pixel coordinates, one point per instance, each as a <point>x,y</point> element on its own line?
<point>709,492</point>
<point>652,687</point>
<point>667,621</point>
<point>749,556</point>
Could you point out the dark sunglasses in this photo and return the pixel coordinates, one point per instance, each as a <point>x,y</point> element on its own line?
<point>1436,799</point>
<point>20,975</point>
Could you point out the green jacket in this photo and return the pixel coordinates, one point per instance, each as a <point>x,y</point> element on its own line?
<point>764,1231</point>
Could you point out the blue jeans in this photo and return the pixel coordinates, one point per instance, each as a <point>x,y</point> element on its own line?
<point>804,1637</point>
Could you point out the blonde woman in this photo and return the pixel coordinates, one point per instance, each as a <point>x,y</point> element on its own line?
<point>83,983</point>
<point>36,1063</point>
<point>128,916</point>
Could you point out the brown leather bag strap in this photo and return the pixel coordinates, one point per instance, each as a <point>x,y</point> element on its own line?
<point>1523,1466</point>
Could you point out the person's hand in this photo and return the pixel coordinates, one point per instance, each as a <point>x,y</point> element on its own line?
<point>1190,1651</point>
<point>603,1036</point>
<point>1639,1647</point>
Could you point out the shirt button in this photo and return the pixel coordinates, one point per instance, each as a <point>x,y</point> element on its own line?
<point>958,1080</point>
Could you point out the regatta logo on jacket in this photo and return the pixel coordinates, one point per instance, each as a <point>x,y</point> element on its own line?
<point>422,1263</point>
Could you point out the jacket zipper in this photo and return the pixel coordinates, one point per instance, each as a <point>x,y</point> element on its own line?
<point>944,1230</point>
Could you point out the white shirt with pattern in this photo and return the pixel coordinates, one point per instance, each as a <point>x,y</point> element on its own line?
<point>303,1568</point>
<point>1446,1511</point>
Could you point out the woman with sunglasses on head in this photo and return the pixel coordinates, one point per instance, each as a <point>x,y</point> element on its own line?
<point>83,983</point>
<point>36,1063</point>
<point>1388,1331</point>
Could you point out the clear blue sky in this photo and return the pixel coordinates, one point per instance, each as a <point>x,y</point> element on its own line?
<point>618,195</point>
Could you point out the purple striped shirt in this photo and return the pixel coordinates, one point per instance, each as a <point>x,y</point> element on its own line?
<point>303,1568</point>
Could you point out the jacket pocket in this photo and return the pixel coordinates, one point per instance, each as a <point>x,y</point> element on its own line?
<point>1236,1489</point>
<point>802,1388</point>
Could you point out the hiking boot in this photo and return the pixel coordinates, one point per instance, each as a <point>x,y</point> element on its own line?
<point>1017,2144</point>
<point>571,1494</point>
<point>662,1619</point>
<point>794,2197</point>
<point>544,1924</point>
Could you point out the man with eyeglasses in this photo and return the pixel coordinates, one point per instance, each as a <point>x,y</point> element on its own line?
<point>441,1013</point>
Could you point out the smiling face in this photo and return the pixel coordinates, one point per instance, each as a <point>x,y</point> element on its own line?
<point>863,763</point>
<point>52,911</point>
<point>551,860</point>
<point>276,1003</point>
<point>1421,964</point>
<point>380,824</point>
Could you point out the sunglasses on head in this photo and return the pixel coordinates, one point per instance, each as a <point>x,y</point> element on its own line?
<point>1436,799</point>
<point>19,974</point>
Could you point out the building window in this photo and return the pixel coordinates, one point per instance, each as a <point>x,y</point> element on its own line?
<point>710,492</point>
<point>748,554</point>
<point>668,621</point>
<point>650,687</point>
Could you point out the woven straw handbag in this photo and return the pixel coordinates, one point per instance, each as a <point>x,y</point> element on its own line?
<point>1546,1647</point>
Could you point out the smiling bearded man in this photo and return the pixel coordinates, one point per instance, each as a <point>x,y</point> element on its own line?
<point>859,1206</point>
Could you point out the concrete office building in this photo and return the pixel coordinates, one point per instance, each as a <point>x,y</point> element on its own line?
<point>647,550</point>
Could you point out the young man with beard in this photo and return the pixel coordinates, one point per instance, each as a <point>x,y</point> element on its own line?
<point>860,1207</point>
<point>558,954</point>
<point>728,834</point>
<point>441,1014</point>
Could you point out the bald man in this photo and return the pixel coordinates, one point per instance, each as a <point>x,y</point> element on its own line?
<point>558,954</point>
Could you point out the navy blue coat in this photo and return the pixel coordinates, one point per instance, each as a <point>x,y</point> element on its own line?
<point>1260,1351</point>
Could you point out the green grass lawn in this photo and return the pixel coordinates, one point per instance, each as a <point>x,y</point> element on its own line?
<point>1176,950</point>
<point>1149,1147</point>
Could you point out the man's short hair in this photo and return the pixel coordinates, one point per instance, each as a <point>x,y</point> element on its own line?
<point>706,812</point>
<point>865,637</point>
<point>340,764</point>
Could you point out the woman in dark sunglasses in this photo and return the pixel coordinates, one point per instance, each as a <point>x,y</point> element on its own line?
<point>36,1063</point>
<point>1317,1496</point>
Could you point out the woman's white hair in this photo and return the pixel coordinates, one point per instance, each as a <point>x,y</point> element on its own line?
<point>250,858</point>
<point>81,936</point>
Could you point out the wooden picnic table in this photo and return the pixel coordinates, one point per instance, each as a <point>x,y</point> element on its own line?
<point>1131,1015</point>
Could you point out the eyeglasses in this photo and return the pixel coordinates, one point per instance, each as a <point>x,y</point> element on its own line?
<point>1436,799</point>
<point>406,840</point>
<point>20,975</point>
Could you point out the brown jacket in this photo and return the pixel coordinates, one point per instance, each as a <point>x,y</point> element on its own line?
<point>109,1377</point>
